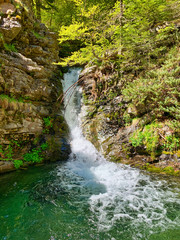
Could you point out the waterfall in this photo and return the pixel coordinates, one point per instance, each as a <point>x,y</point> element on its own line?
<point>87,197</point>
<point>122,199</point>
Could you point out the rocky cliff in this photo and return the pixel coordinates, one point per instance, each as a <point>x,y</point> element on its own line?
<point>125,132</point>
<point>31,125</point>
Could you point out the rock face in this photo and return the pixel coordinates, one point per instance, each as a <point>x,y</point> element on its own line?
<point>10,28</point>
<point>112,138</point>
<point>29,87</point>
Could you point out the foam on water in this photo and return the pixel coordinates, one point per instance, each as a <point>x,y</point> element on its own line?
<point>127,196</point>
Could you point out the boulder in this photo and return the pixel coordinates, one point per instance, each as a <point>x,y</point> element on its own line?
<point>6,166</point>
<point>9,28</point>
<point>7,8</point>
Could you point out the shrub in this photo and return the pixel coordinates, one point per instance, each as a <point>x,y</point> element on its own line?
<point>158,93</point>
<point>18,163</point>
<point>35,156</point>
<point>171,143</point>
<point>148,138</point>
<point>48,122</point>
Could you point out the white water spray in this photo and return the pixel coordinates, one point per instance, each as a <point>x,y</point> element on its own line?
<point>126,196</point>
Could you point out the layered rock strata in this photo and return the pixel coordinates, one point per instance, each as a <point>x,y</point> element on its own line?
<point>29,87</point>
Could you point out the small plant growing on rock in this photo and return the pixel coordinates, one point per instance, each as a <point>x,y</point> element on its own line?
<point>35,155</point>
<point>37,35</point>
<point>48,123</point>
<point>18,163</point>
<point>10,47</point>
<point>148,138</point>
<point>171,143</point>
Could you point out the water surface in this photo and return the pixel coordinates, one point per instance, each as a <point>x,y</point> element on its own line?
<point>87,197</point>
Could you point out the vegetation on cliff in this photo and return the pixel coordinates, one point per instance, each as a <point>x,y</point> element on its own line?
<point>133,48</point>
<point>132,51</point>
<point>31,126</point>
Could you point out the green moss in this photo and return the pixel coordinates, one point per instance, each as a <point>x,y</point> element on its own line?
<point>109,148</point>
<point>94,134</point>
<point>176,173</point>
<point>126,149</point>
<point>178,153</point>
<point>169,170</point>
<point>10,99</point>
<point>37,35</point>
<point>115,159</point>
<point>154,169</point>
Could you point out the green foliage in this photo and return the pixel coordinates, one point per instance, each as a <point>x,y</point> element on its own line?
<point>171,143</point>
<point>137,138</point>
<point>48,122</point>
<point>35,156</point>
<point>37,35</point>
<point>6,152</point>
<point>152,140</point>
<point>10,99</point>
<point>44,146</point>
<point>158,93</point>
<point>148,137</point>
<point>18,163</point>
<point>10,47</point>
<point>104,33</point>
<point>57,13</point>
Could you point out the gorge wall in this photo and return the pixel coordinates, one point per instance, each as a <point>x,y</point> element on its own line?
<point>141,142</point>
<point>30,119</point>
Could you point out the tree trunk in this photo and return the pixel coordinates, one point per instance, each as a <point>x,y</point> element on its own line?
<point>121,12</point>
<point>38,9</point>
<point>121,25</point>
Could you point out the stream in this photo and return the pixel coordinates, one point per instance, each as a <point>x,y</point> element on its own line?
<point>87,197</point>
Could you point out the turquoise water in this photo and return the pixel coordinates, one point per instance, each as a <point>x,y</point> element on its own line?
<point>87,197</point>
<point>48,203</point>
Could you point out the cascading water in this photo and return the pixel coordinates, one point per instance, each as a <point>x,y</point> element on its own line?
<point>125,201</point>
<point>87,197</point>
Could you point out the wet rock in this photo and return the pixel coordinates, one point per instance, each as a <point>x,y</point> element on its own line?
<point>6,167</point>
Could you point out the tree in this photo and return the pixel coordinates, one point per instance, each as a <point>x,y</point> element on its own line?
<point>38,9</point>
<point>125,28</point>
